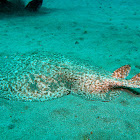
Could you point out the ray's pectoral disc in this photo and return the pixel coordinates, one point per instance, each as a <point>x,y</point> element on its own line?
<point>48,76</point>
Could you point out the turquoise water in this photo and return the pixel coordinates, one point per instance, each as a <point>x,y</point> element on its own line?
<point>101,35</point>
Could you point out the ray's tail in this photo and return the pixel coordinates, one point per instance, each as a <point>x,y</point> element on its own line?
<point>134,82</point>
<point>122,73</point>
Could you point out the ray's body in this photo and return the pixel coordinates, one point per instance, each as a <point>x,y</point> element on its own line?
<point>50,78</point>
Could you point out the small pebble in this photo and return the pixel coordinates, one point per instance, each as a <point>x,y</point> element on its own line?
<point>11,126</point>
<point>76,42</point>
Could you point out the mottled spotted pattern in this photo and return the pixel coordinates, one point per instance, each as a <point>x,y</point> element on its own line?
<point>48,76</point>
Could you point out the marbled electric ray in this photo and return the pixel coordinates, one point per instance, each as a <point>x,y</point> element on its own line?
<point>47,76</point>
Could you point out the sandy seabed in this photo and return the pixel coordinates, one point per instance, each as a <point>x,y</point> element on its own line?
<point>103,35</point>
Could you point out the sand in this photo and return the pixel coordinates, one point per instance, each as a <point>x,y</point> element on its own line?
<point>103,34</point>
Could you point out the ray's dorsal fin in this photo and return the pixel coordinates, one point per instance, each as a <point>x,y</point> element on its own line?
<point>122,72</point>
<point>136,77</point>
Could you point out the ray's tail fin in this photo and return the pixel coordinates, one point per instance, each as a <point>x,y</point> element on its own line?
<point>134,82</point>
<point>136,77</point>
<point>122,73</point>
